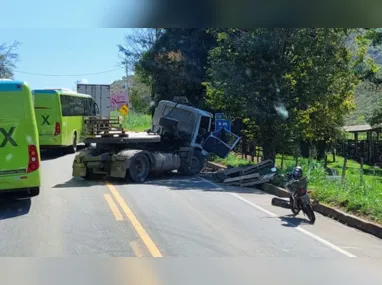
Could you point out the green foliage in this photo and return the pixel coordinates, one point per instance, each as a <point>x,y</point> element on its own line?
<point>366,94</point>
<point>140,103</point>
<point>175,65</point>
<point>135,122</point>
<point>140,94</point>
<point>375,118</point>
<point>292,83</point>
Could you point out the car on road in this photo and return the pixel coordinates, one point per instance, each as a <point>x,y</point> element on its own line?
<point>19,143</point>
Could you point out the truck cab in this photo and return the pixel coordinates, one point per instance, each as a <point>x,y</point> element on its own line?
<point>194,126</point>
<point>191,123</point>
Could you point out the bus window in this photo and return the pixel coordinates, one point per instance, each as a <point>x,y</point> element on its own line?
<point>73,106</point>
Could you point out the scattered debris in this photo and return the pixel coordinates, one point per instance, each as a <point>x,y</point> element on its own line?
<point>246,175</point>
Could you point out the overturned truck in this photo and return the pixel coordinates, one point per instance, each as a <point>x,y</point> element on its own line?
<point>180,139</point>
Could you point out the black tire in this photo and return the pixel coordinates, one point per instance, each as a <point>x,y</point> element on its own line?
<point>310,213</point>
<point>90,175</point>
<point>197,164</point>
<point>73,147</point>
<point>27,194</point>
<point>139,168</point>
<point>34,192</point>
<point>295,210</point>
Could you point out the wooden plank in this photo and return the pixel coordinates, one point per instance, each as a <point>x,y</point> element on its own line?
<point>259,166</point>
<point>248,169</point>
<point>243,177</point>
<point>234,170</point>
<point>257,182</point>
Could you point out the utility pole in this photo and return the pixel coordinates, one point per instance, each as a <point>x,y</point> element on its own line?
<point>127,87</point>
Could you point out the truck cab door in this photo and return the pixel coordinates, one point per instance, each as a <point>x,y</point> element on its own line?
<point>221,142</point>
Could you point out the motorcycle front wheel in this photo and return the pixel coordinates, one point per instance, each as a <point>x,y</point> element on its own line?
<point>310,213</point>
<point>295,210</point>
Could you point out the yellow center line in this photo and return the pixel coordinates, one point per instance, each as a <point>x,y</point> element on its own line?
<point>153,249</point>
<point>113,207</point>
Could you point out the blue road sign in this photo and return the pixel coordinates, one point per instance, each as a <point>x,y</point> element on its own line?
<point>219,116</point>
<point>220,124</point>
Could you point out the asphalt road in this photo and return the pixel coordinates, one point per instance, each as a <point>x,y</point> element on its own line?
<point>229,235</point>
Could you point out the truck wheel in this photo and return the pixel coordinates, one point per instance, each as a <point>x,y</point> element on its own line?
<point>139,168</point>
<point>197,164</point>
<point>90,175</point>
<point>73,147</point>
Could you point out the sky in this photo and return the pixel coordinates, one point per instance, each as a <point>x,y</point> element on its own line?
<point>71,13</point>
<point>60,51</point>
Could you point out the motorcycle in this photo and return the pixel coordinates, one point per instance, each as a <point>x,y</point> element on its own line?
<point>299,197</point>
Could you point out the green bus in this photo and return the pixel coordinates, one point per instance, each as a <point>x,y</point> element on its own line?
<point>59,117</point>
<point>19,144</point>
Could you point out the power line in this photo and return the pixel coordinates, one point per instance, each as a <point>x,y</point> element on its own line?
<point>68,75</point>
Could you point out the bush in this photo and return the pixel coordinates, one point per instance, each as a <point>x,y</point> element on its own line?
<point>135,122</point>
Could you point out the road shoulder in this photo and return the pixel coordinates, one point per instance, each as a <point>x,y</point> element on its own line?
<point>351,240</point>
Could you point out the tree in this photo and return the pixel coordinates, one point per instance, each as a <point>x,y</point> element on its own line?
<point>176,64</point>
<point>8,59</point>
<point>292,83</point>
<point>136,44</point>
<point>375,118</point>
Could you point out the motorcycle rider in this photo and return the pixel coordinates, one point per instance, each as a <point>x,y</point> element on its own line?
<point>297,173</point>
<point>296,180</point>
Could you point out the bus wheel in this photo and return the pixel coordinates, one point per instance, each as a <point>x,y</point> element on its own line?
<point>34,192</point>
<point>73,147</point>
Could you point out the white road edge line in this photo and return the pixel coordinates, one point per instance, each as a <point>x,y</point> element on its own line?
<point>323,241</point>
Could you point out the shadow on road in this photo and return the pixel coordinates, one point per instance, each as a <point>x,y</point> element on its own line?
<point>179,182</point>
<point>10,208</point>
<point>77,182</point>
<point>50,154</point>
<point>291,221</point>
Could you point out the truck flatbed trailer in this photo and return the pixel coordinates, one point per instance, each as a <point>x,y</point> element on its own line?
<point>142,137</point>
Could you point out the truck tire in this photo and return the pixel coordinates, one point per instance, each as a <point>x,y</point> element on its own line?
<point>139,168</point>
<point>197,164</point>
<point>90,175</point>
<point>73,147</point>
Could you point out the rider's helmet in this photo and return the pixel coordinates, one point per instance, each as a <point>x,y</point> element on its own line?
<point>297,172</point>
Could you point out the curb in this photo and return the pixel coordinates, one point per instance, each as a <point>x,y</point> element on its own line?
<point>326,210</point>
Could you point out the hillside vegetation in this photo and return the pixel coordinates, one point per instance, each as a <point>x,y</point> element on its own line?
<point>140,95</point>
<point>366,96</point>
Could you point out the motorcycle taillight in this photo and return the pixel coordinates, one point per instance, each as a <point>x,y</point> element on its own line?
<point>302,191</point>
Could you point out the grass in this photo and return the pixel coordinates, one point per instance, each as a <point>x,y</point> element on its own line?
<point>135,122</point>
<point>359,197</point>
